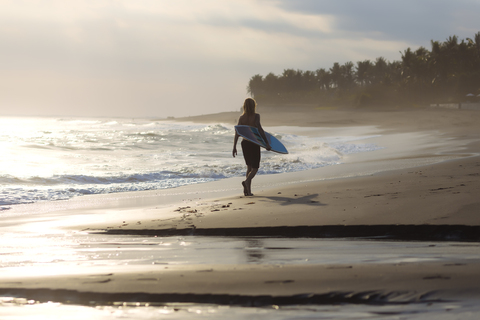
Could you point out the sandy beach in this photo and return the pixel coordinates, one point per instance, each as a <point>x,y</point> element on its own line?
<point>427,190</point>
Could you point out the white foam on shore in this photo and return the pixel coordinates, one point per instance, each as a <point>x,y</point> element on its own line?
<point>48,159</point>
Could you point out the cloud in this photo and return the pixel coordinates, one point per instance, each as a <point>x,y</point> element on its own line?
<point>411,21</point>
<point>153,30</point>
<point>154,57</point>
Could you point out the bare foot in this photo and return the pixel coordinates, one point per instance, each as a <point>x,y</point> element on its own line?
<point>245,190</point>
<point>249,188</point>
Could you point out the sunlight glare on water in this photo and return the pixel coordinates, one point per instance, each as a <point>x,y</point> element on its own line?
<point>93,250</point>
<point>21,309</point>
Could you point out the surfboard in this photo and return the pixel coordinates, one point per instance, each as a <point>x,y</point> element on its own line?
<point>252,135</point>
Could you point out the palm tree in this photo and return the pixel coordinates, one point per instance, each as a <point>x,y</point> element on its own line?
<point>335,74</point>
<point>477,43</point>
<point>309,82</point>
<point>289,80</point>
<point>364,72</point>
<point>255,85</point>
<point>271,85</point>
<point>449,68</point>
<point>323,79</point>
<point>407,63</point>
<point>348,76</point>
<point>380,70</point>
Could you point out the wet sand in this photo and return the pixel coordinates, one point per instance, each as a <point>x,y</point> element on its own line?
<point>252,284</point>
<point>440,194</point>
<point>437,201</point>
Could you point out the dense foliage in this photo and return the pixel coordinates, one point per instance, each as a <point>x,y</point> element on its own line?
<point>446,73</point>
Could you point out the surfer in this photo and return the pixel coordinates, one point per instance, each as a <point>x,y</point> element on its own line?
<point>251,151</point>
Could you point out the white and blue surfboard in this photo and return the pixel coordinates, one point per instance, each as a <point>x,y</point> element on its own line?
<point>251,134</point>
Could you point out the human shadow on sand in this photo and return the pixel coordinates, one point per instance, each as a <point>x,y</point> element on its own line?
<point>296,199</point>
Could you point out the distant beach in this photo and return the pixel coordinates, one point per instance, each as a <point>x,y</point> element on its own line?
<point>420,185</point>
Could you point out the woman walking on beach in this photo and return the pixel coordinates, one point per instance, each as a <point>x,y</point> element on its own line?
<point>251,151</point>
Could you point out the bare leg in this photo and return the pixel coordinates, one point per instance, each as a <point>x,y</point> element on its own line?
<point>251,172</point>
<point>246,191</point>
<point>248,171</point>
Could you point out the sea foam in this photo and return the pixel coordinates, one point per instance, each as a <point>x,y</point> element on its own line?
<point>48,159</point>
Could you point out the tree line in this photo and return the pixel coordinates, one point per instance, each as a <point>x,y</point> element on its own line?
<point>446,73</point>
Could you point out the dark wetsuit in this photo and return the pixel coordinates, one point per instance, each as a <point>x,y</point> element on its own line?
<point>251,153</point>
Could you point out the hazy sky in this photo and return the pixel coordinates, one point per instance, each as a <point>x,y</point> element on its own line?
<point>159,58</point>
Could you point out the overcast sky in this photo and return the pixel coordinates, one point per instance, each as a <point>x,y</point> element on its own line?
<point>156,58</point>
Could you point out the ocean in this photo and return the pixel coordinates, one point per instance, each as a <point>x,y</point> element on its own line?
<point>48,159</point>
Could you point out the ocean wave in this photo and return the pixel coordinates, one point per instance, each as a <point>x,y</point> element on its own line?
<point>78,121</point>
<point>215,129</point>
<point>14,196</point>
<point>70,179</point>
<point>56,159</point>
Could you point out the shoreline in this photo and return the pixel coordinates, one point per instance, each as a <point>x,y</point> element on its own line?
<point>436,184</point>
<point>170,211</point>
<point>358,192</point>
<point>424,205</point>
<point>430,192</point>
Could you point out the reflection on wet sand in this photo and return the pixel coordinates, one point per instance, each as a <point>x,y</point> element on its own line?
<point>254,250</point>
